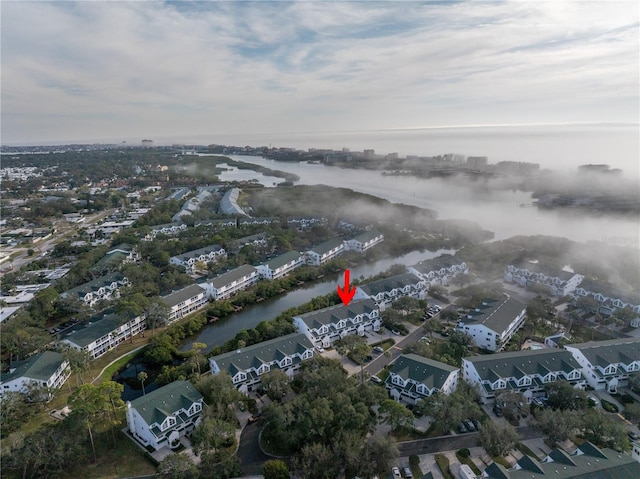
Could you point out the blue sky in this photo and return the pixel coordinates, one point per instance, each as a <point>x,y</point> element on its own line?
<point>88,71</point>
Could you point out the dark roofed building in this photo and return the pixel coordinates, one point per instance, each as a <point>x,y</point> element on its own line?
<point>414,377</point>
<point>385,291</point>
<point>282,265</point>
<point>47,370</point>
<point>232,281</point>
<point>185,301</point>
<point>325,251</point>
<point>439,270</point>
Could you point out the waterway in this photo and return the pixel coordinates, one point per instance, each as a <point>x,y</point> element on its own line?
<point>499,211</point>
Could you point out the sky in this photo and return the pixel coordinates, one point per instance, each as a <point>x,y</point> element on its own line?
<point>95,70</point>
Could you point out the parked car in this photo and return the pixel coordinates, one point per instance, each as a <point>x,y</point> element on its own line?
<point>407,473</point>
<point>633,436</point>
<point>396,332</point>
<point>375,379</point>
<point>470,425</point>
<point>396,472</point>
<point>593,401</point>
<point>498,411</point>
<point>428,316</point>
<point>462,428</point>
<point>320,349</point>
<point>378,349</point>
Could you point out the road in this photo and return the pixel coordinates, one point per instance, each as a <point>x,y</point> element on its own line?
<point>453,443</point>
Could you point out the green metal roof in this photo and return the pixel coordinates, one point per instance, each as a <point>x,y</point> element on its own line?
<point>495,315</point>
<point>84,334</point>
<point>367,236</point>
<point>156,406</point>
<point>436,264</point>
<point>39,367</point>
<point>94,285</point>
<point>233,275</point>
<point>327,246</point>
<point>183,294</point>
<point>333,314</point>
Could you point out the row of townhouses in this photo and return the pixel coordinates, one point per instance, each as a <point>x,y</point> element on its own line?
<point>45,371</point>
<point>439,270</point>
<point>104,288</point>
<point>190,259</point>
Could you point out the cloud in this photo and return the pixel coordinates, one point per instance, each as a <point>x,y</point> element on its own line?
<point>108,69</point>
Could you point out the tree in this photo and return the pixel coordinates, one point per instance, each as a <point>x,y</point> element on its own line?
<point>598,428</point>
<point>220,394</point>
<point>395,414</point>
<point>196,355</point>
<point>557,425</point>
<point>512,404</point>
<point>211,435</point>
<point>157,315</point>
<point>497,438</point>
<point>317,461</point>
<point>275,469</point>
<point>178,466</point>
<point>78,362</point>
<point>142,377</point>
<point>276,383</point>
<point>632,412</point>
<point>588,304</point>
<point>563,395</point>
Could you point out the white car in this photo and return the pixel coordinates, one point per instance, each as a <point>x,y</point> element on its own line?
<point>396,472</point>
<point>320,349</point>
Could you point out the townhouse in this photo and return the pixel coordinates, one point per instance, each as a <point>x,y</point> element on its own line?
<point>47,370</point>
<point>585,462</point>
<point>168,229</point>
<point>325,251</point>
<point>364,241</point>
<point>257,221</point>
<point>494,322</point>
<point>609,298</point>
<point>385,291</point>
<point>190,259</point>
<point>102,333</point>
<point>229,204</point>
<point>223,223</point>
<point>414,377</point>
<point>185,301</point>
<point>303,223</point>
<point>325,326</point>
<point>560,282</point>
<point>259,240</point>
<point>281,266</point>
<point>104,288</point>
<point>521,371</point>
<point>607,364</point>
<point>246,366</point>
<point>439,270</point>
<point>115,257</point>
<point>232,281</point>
<point>163,416</point>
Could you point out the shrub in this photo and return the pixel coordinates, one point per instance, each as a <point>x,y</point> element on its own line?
<point>464,452</point>
<point>414,460</point>
<point>609,407</point>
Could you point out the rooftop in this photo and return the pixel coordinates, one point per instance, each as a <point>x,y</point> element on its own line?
<point>183,294</point>
<point>95,285</point>
<point>197,252</point>
<point>327,246</point>
<point>367,236</point>
<point>518,364</point>
<point>264,352</point>
<point>157,405</point>
<point>610,291</point>
<point>431,373</point>
<point>388,284</point>
<point>435,264</point>
<point>613,351</point>
<point>39,367</point>
<point>496,315</point>
<point>546,270</point>
<point>233,275</point>
<point>283,259</point>
<point>333,314</point>
<point>84,334</point>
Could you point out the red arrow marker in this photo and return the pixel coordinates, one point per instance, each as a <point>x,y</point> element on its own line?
<point>346,293</point>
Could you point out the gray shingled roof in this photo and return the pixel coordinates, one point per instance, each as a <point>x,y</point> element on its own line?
<point>546,270</point>
<point>518,364</point>
<point>155,406</point>
<point>333,314</point>
<point>327,246</point>
<point>495,314</point>
<point>387,284</point>
<point>283,259</point>
<point>610,291</point>
<point>604,353</point>
<point>197,252</point>
<point>435,264</point>
<point>182,295</point>
<point>233,275</point>
<point>265,352</point>
<point>431,373</point>
<point>94,285</point>
<point>39,367</point>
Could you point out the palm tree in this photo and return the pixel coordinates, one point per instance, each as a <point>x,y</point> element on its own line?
<point>142,377</point>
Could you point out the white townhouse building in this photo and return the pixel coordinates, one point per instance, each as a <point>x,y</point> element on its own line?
<point>125,251</point>
<point>259,240</point>
<point>414,377</point>
<point>521,371</point>
<point>281,266</point>
<point>185,301</point>
<point>232,281</point>
<point>105,287</point>
<point>325,251</point>
<point>325,326</point>
<point>229,203</point>
<point>168,229</point>
<point>387,290</point>
<point>560,282</point>
<point>609,298</point>
<point>245,366</point>
<point>205,255</point>
<point>100,334</point>
<point>45,370</point>
<point>364,241</point>
<point>439,270</point>
<point>492,324</point>
<point>607,364</point>
<point>223,223</point>
<point>257,221</point>
<point>161,417</point>
<point>303,223</point>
